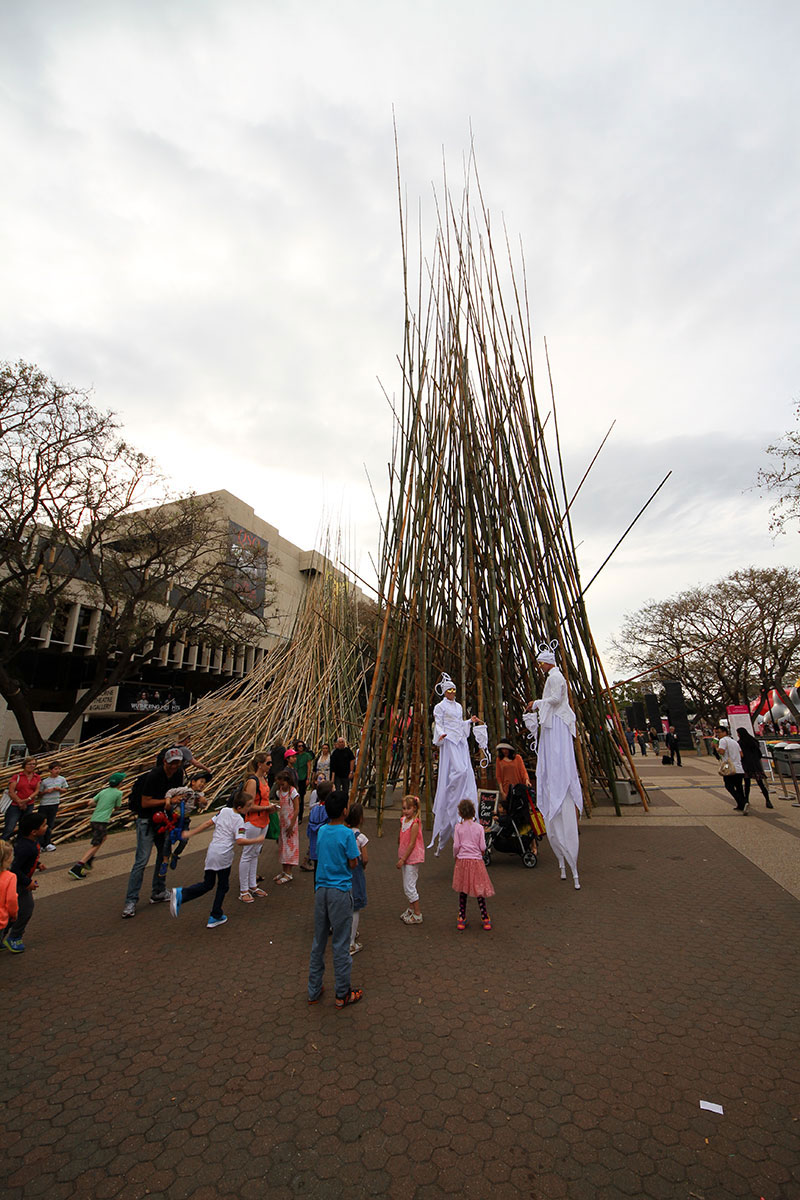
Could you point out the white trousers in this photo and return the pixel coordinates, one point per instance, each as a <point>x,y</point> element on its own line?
<point>562,834</point>
<point>248,863</point>
<point>410,873</point>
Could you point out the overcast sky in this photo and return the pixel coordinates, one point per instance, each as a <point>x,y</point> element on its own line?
<point>198,218</point>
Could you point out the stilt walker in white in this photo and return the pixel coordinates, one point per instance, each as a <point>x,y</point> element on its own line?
<point>558,789</point>
<point>456,780</point>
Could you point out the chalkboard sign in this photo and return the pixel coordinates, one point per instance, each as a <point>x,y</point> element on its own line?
<point>487,806</point>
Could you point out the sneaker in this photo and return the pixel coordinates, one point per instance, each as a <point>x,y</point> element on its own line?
<point>160,898</point>
<point>89,865</point>
<point>770,804</point>
<point>129,910</point>
<point>50,847</point>
<point>77,872</point>
<point>13,944</point>
<point>461,923</point>
<point>487,922</point>
<point>213,922</point>
<point>175,901</point>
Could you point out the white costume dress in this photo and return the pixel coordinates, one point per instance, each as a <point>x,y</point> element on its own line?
<point>456,780</point>
<point>558,788</point>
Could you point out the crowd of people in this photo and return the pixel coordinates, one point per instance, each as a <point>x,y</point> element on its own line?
<point>269,803</point>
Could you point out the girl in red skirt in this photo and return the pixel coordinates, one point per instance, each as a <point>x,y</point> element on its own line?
<point>470,877</point>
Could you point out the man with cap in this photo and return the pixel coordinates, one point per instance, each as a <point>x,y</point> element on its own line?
<point>456,778</point>
<point>558,788</point>
<point>148,797</point>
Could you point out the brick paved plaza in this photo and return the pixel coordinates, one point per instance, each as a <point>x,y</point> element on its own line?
<point>564,1054</point>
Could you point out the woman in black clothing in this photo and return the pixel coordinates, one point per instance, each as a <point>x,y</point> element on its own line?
<point>751,761</point>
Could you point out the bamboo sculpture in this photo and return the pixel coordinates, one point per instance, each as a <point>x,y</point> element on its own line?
<point>310,687</point>
<point>477,560</point>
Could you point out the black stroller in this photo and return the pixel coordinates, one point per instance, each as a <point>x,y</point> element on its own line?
<point>512,831</point>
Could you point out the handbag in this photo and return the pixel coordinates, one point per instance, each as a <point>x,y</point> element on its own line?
<point>274,827</point>
<point>537,822</point>
<point>727,768</point>
<point>5,802</point>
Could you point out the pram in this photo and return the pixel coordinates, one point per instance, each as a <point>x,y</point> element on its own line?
<point>512,831</point>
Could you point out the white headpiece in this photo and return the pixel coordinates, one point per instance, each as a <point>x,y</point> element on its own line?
<point>547,653</point>
<point>445,684</point>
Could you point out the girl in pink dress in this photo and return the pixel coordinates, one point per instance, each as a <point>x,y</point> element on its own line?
<point>289,841</point>
<point>470,877</point>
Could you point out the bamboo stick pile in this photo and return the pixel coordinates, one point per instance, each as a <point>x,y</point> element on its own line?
<point>477,562</point>
<point>309,687</point>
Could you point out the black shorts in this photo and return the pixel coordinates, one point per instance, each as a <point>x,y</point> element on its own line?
<point>99,830</point>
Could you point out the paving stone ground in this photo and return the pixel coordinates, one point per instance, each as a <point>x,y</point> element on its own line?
<point>562,1055</point>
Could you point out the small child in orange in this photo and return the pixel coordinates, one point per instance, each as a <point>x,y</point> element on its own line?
<point>410,853</point>
<point>9,905</point>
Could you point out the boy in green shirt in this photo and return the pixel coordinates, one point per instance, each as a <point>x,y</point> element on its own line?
<point>107,800</point>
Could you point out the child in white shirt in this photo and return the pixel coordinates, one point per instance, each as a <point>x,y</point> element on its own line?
<point>229,832</point>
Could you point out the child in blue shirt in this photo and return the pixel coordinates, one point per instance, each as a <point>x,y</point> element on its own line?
<point>337,854</point>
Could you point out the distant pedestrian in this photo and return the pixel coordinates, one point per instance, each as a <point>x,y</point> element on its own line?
<point>278,760</point>
<point>106,802</point>
<point>630,738</point>
<point>229,826</point>
<point>23,788</point>
<point>342,766</point>
<point>51,790</point>
<point>470,877</point>
<point>410,856</point>
<point>337,849</point>
<point>752,763</point>
<point>23,865</point>
<point>642,740</point>
<point>731,757</point>
<point>302,765</point>
<point>322,763</point>
<point>288,798</point>
<point>673,747</point>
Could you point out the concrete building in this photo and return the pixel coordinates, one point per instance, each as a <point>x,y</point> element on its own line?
<point>58,665</point>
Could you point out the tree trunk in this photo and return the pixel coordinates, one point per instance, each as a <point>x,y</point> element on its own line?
<point>19,705</point>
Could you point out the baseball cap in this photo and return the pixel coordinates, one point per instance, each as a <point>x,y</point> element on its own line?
<point>174,755</point>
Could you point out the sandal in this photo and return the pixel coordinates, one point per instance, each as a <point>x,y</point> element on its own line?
<point>352,997</point>
<point>286,879</point>
<point>318,996</point>
<point>257,891</point>
<point>246,898</point>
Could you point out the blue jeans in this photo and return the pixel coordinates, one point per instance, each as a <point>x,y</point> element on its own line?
<point>221,878</point>
<point>333,909</point>
<point>146,838</point>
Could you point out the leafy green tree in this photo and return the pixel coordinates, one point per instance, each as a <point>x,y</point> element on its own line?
<point>726,644</point>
